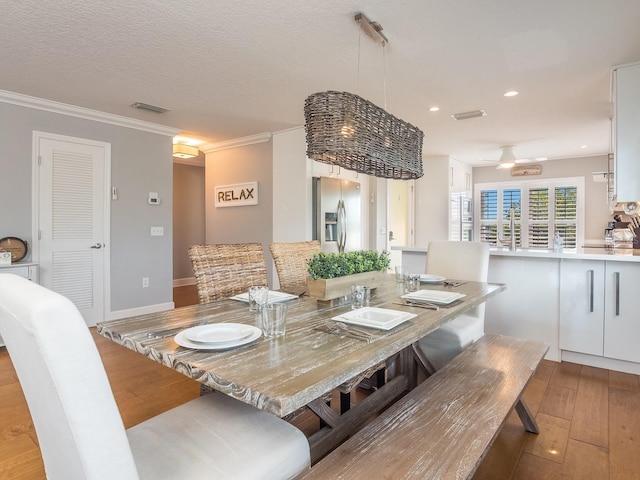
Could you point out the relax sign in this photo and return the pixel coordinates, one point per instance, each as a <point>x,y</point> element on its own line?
<point>237,195</point>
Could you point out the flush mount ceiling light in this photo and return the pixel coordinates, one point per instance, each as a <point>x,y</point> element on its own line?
<point>149,107</point>
<point>346,130</point>
<point>467,115</point>
<point>180,150</point>
<point>507,159</point>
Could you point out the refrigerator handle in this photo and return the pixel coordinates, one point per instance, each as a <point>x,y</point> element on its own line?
<point>342,226</point>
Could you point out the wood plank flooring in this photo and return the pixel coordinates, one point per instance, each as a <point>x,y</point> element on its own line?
<point>589,418</point>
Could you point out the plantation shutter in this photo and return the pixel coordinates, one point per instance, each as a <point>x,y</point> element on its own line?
<point>539,217</point>
<point>512,198</point>
<point>489,216</point>
<point>566,203</point>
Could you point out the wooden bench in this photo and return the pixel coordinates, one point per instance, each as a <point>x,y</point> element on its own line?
<point>444,427</point>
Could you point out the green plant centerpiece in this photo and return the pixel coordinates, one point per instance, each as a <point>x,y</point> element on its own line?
<point>332,274</point>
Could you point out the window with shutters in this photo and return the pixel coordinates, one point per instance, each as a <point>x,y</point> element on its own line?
<point>539,208</point>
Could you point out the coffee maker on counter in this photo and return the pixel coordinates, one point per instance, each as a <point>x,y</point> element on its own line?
<point>621,234</point>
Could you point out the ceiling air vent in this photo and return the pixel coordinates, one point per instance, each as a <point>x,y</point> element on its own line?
<point>151,108</point>
<point>465,115</point>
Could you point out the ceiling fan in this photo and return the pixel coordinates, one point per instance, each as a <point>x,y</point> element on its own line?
<point>508,158</point>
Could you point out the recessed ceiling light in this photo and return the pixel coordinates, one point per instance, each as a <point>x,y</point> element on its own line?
<point>511,93</point>
<point>541,159</point>
<point>584,146</point>
<point>434,109</point>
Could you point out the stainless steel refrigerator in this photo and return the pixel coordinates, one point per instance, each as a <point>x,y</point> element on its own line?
<point>337,212</point>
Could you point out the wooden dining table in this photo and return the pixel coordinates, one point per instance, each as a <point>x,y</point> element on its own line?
<point>284,374</point>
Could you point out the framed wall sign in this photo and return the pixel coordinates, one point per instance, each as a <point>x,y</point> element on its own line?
<point>237,195</point>
<point>522,170</point>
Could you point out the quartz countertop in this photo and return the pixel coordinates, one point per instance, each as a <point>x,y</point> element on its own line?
<point>584,253</point>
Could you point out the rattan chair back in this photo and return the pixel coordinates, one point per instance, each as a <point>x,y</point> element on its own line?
<point>224,270</point>
<point>291,260</point>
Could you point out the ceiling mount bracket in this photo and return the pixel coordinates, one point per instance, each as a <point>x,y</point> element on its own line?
<point>373,29</point>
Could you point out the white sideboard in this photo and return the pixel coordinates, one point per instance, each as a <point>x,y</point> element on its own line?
<point>26,270</point>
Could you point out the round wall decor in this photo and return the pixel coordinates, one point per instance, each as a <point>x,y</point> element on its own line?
<point>16,246</point>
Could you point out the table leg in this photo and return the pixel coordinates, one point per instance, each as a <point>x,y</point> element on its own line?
<point>341,426</point>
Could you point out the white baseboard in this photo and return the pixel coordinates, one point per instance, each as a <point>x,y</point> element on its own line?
<point>132,312</point>
<point>601,362</point>
<point>183,282</point>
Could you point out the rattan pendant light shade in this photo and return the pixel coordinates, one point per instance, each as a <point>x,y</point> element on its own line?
<point>347,130</point>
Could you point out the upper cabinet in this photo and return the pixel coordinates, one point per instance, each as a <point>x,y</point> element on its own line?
<point>459,177</point>
<point>626,131</point>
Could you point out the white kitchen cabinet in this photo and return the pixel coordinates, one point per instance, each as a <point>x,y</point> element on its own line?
<point>622,307</point>
<point>459,177</point>
<point>598,308</point>
<point>582,306</point>
<point>626,128</point>
<point>528,308</point>
<point>445,178</point>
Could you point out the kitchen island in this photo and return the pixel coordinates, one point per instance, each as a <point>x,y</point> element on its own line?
<point>583,302</point>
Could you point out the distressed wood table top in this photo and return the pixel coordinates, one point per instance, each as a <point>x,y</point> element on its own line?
<point>282,374</point>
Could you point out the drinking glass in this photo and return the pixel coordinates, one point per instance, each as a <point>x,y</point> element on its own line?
<point>258,297</point>
<point>401,271</point>
<point>274,320</point>
<point>360,296</point>
<point>411,282</point>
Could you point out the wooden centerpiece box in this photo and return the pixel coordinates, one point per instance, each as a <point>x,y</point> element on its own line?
<point>332,274</point>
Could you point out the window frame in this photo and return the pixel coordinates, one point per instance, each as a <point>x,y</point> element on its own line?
<point>524,222</point>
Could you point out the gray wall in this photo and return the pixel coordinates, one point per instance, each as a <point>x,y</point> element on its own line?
<point>596,207</point>
<point>241,224</point>
<point>141,162</point>
<point>188,216</point>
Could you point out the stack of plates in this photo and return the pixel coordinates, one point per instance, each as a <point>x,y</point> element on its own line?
<point>274,297</point>
<point>217,336</point>
<point>380,318</point>
<point>426,278</point>
<point>437,297</point>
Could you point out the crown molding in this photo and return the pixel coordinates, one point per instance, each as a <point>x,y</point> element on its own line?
<point>85,113</point>
<point>235,142</point>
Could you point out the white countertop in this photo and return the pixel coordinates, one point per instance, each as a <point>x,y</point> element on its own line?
<point>590,253</point>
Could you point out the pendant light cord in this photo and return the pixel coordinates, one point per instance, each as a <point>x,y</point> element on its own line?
<point>384,74</point>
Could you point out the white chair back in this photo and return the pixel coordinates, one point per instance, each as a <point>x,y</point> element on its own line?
<point>458,260</point>
<point>79,428</point>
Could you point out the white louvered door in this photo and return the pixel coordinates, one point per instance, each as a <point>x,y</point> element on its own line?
<point>72,220</point>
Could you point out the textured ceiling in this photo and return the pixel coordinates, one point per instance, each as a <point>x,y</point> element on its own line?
<point>229,69</point>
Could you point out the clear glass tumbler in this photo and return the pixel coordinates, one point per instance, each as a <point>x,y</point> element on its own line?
<point>274,320</point>
<point>258,297</point>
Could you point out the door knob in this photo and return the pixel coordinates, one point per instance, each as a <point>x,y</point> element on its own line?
<point>97,245</point>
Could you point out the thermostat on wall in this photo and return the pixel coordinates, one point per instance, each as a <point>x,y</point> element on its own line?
<point>153,198</point>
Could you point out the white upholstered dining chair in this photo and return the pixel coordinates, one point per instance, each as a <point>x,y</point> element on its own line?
<point>457,261</point>
<point>79,428</point>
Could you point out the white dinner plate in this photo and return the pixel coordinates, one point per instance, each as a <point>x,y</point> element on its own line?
<point>434,296</point>
<point>274,297</point>
<point>183,341</point>
<point>218,333</point>
<point>372,317</point>
<point>427,278</point>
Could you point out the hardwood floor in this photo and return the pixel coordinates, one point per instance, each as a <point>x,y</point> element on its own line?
<point>589,417</point>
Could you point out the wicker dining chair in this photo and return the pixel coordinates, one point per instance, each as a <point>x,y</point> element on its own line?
<point>291,263</point>
<point>224,270</point>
